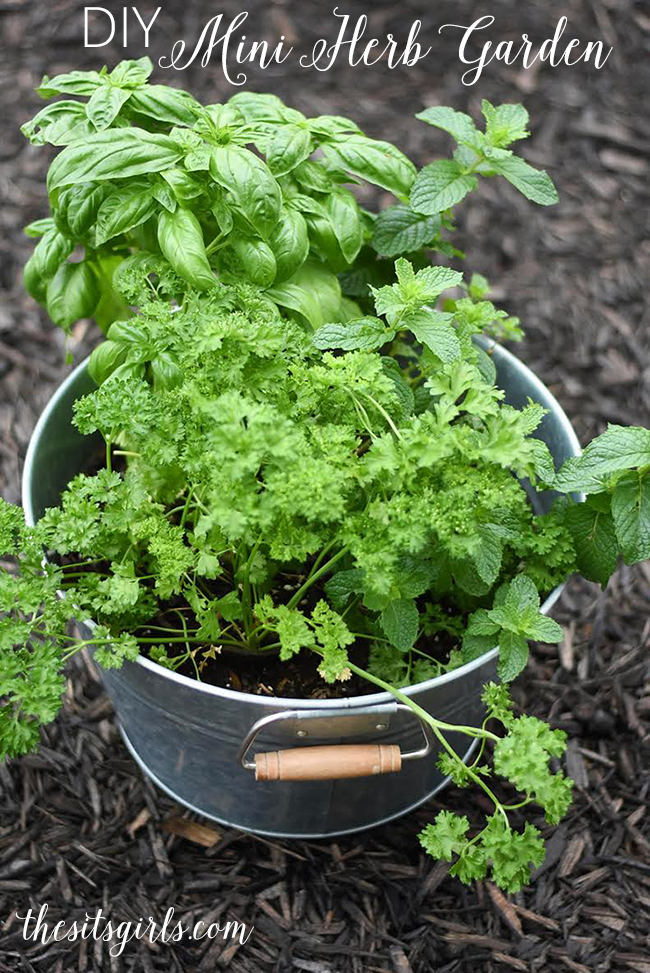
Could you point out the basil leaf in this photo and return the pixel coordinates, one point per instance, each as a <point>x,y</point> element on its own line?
<point>313,291</point>
<point>162,192</point>
<point>58,124</point>
<point>223,215</point>
<point>39,227</point>
<point>122,211</point>
<point>111,307</point>
<point>79,205</point>
<point>169,105</point>
<point>33,282</point>
<point>182,184</point>
<point>290,146</point>
<point>344,215</point>
<point>263,107</point>
<point>289,243</point>
<point>313,177</point>
<point>73,293</point>
<point>73,83</point>
<point>131,74</point>
<point>257,260</point>
<point>252,184</point>
<point>104,105</point>
<point>166,371</point>
<point>222,116</point>
<point>198,158</point>
<point>113,155</point>
<point>333,125</point>
<point>181,240</point>
<point>105,359</point>
<point>377,162</point>
<point>50,252</point>
<point>325,242</point>
<point>127,333</point>
<point>306,204</point>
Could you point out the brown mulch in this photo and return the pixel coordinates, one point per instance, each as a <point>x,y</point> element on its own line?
<point>80,829</point>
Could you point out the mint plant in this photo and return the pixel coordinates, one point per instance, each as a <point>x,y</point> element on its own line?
<point>314,455</point>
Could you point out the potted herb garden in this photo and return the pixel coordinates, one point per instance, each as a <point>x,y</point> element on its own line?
<point>302,504</point>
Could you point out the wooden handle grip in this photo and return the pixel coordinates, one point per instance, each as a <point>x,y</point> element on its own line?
<point>328,763</point>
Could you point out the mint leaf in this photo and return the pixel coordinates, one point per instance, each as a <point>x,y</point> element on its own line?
<point>595,541</point>
<point>439,186</point>
<point>480,623</point>
<point>399,230</point>
<point>399,621</point>
<point>520,593</point>
<point>459,125</point>
<point>343,584</point>
<point>534,184</point>
<point>619,448</point>
<point>504,123</point>
<point>434,329</point>
<point>513,655</point>
<point>366,333</point>
<point>488,555</point>
<point>432,281</point>
<point>631,513</point>
<point>544,629</point>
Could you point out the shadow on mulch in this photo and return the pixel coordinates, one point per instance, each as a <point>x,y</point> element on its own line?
<point>81,830</point>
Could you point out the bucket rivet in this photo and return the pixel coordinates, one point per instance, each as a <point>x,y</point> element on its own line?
<point>302,733</point>
<point>380,726</point>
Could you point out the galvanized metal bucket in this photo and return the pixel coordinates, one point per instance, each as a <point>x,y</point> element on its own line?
<point>196,741</point>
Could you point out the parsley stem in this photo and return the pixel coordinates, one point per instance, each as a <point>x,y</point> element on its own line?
<point>295,600</point>
<point>246,589</point>
<point>186,508</point>
<point>474,731</point>
<point>383,412</point>
<point>109,465</point>
<point>323,553</point>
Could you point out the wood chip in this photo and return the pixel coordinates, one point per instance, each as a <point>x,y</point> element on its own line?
<point>200,834</point>
<point>505,908</point>
<point>572,856</point>
<point>139,820</point>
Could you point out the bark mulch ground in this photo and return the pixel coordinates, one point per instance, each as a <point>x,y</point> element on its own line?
<point>80,829</point>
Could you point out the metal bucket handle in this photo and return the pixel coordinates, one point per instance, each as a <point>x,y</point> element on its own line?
<point>332,762</point>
